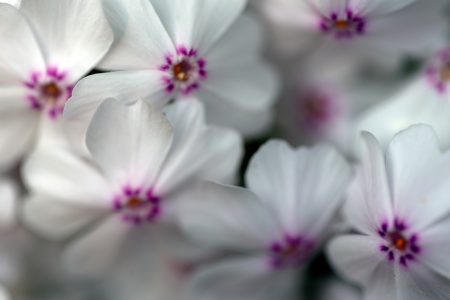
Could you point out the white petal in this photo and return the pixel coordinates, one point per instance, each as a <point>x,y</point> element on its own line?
<point>305,186</point>
<point>251,87</point>
<point>242,279</point>
<point>9,204</point>
<point>419,175</point>
<point>90,92</point>
<point>396,114</point>
<point>418,282</point>
<point>221,112</point>
<point>382,7</point>
<point>144,42</point>
<point>74,34</point>
<point>242,43</point>
<point>198,24</point>
<point>198,151</point>
<point>4,295</point>
<point>356,257</point>
<point>129,142</point>
<point>60,174</point>
<point>94,252</point>
<point>383,284</point>
<point>226,217</point>
<point>416,29</point>
<point>369,199</point>
<point>20,54</point>
<point>436,246</point>
<point>19,125</point>
<point>58,219</point>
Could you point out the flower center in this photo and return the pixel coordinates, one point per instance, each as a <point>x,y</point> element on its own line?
<point>398,240</point>
<point>183,71</point>
<point>344,25</point>
<point>136,207</point>
<point>438,71</point>
<point>317,109</point>
<point>48,91</point>
<point>399,244</point>
<point>290,252</point>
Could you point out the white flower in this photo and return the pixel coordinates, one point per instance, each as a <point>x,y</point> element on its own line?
<point>47,46</point>
<point>425,100</point>
<point>379,31</point>
<point>177,49</point>
<point>276,225</point>
<point>398,204</point>
<point>140,164</point>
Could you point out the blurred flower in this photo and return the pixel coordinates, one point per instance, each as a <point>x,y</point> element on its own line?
<point>47,46</point>
<point>140,164</point>
<point>399,205</point>
<point>209,51</point>
<point>378,32</point>
<point>276,225</point>
<point>337,290</point>
<point>425,100</point>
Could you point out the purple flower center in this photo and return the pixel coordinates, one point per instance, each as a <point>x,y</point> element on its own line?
<point>184,71</point>
<point>137,207</point>
<point>317,109</point>
<point>438,71</point>
<point>343,26</point>
<point>291,252</point>
<point>48,91</point>
<point>400,245</point>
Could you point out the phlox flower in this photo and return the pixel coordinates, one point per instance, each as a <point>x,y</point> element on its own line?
<point>398,207</point>
<point>47,46</point>
<point>379,32</point>
<point>172,50</point>
<point>271,229</point>
<point>140,162</point>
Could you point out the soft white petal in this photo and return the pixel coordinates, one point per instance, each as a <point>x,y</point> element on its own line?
<point>305,186</point>
<point>74,34</point>
<point>418,282</point>
<point>436,246</point>
<point>419,174</point>
<point>19,125</point>
<point>369,199</point>
<point>90,92</point>
<point>198,151</point>
<point>383,284</point>
<point>9,204</point>
<point>252,87</point>
<point>356,257</point>
<point>242,279</point>
<point>221,112</point>
<point>58,173</point>
<point>20,54</point>
<point>58,219</point>
<point>198,24</point>
<point>226,217</point>
<point>384,7</point>
<point>415,29</point>
<point>4,295</point>
<point>95,251</point>
<point>242,43</point>
<point>144,42</point>
<point>129,142</point>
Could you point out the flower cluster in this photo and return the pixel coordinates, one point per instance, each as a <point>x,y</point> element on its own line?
<point>224,149</point>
